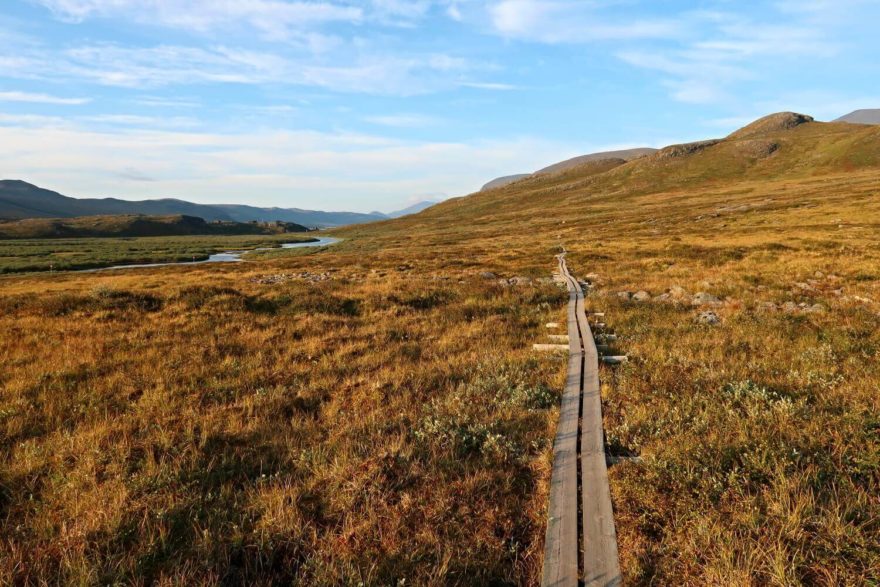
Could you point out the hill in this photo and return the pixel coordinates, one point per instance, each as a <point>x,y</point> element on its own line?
<point>134,226</point>
<point>870,116</point>
<point>19,199</point>
<point>503,181</point>
<point>621,156</point>
<point>414,209</point>
<point>311,218</point>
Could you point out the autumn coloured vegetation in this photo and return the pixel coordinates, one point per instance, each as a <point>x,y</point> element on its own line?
<point>373,413</point>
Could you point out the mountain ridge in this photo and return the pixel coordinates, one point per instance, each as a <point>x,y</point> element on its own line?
<point>20,199</point>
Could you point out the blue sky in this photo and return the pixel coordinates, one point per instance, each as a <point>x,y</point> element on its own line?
<point>374,104</point>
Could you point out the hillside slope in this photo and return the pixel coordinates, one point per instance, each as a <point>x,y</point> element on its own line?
<point>622,156</point>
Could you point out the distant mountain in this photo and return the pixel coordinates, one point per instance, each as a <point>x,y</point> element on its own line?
<point>242,213</point>
<point>19,199</point>
<point>625,155</point>
<point>503,181</point>
<point>871,116</point>
<point>134,226</point>
<point>414,209</point>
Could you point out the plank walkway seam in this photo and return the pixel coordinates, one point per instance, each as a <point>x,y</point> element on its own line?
<point>580,551</point>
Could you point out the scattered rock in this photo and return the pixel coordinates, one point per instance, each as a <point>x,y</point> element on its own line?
<point>768,307</point>
<point>789,307</point>
<point>815,309</point>
<point>625,295</point>
<point>663,298</point>
<point>285,277</point>
<point>756,148</point>
<point>516,281</point>
<point>705,299</point>
<point>675,151</point>
<point>709,317</point>
<point>677,292</point>
<point>641,296</point>
<point>488,275</point>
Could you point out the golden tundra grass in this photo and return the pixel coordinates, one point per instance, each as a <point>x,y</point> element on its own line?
<point>390,424</point>
<point>191,426</point>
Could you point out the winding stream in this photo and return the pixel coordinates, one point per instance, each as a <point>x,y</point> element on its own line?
<point>224,257</point>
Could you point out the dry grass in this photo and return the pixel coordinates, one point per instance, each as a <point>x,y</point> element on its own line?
<point>184,426</point>
<point>194,426</point>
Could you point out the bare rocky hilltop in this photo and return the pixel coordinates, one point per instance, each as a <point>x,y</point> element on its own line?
<point>624,155</point>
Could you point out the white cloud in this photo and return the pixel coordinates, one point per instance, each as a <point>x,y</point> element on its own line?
<point>170,65</point>
<point>41,99</point>
<point>402,120</point>
<point>566,21</point>
<point>499,87</point>
<point>284,168</point>
<point>274,19</point>
<point>724,49</point>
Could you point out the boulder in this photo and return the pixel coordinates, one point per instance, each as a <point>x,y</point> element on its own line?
<point>624,295</point>
<point>710,318</point>
<point>641,296</point>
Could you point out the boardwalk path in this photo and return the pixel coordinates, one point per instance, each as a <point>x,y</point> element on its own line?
<point>580,550</point>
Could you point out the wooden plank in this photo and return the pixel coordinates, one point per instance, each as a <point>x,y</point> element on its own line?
<point>549,347</point>
<point>561,541</point>
<point>600,557</point>
<point>581,398</point>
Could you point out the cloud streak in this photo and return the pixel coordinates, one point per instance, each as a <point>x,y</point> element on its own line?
<point>287,168</point>
<point>41,99</point>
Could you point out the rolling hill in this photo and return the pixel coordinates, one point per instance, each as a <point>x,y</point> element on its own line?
<point>870,116</point>
<point>414,209</point>
<point>622,156</point>
<point>19,199</point>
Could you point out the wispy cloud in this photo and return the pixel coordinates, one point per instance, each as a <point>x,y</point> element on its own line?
<point>566,21</point>
<point>499,87</point>
<point>273,19</point>
<point>286,168</point>
<point>402,120</point>
<point>41,99</point>
<point>173,65</point>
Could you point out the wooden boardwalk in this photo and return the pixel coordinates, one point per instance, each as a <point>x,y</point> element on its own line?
<point>581,543</point>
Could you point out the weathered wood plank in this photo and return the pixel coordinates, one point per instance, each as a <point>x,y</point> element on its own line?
<point>600,557</point>
<point>580,399</point>
<point>561,542</point>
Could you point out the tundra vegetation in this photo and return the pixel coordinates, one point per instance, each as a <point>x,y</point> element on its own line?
<point>55,254</point>
<point>372,413</point>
